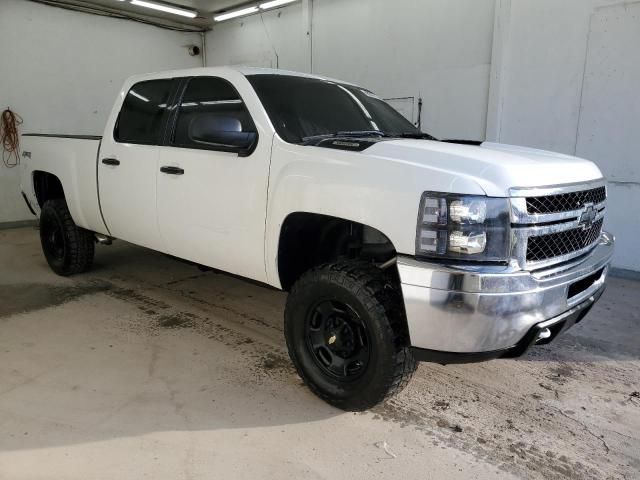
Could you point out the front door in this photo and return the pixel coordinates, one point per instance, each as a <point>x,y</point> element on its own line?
<point>212,194</point>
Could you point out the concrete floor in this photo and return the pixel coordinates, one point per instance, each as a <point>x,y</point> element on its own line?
<point>148,368</point>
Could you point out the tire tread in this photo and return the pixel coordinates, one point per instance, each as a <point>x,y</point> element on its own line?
<point>376,290</point>
<point>80,242</point>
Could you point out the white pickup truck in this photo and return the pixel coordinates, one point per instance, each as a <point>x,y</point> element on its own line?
<point>395,247</point>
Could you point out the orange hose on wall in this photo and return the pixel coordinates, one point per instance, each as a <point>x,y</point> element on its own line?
<point>9,138</point>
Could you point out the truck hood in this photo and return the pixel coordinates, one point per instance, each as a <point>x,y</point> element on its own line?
<point>494,167</point>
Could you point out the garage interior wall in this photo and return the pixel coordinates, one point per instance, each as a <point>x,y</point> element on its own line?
<point>566,78</point>
<point>61,71</point>
<point>435,49</point>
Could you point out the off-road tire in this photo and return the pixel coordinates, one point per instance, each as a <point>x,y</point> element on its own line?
<point>75,245</point>
<point>377,301</point>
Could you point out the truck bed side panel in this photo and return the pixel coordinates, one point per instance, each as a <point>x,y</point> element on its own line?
<point>74,161</point>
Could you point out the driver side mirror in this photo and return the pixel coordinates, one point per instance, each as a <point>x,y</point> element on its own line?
<point>221,132</point>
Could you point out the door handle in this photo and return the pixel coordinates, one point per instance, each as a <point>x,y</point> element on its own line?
<point>172,170</point>
<point>111,161</point>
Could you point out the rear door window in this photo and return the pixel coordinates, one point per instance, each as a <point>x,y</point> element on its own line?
<point>142,115</point>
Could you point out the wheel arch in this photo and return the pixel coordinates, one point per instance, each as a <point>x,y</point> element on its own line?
<point>47,186</point>
<point>308,239</point>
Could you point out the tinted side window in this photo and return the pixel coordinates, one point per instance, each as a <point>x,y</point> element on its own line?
<point>214,96</point>
<point>141,115</point>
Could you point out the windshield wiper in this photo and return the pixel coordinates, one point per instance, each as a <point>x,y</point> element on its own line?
<point>350,133</point>
<point>368,133</point>
<point>363,133</point>
<point>417,135</point>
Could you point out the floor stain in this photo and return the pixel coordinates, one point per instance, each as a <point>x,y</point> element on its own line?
<point>28,297</point>
<point>175,321</point>
<point>272,361</point>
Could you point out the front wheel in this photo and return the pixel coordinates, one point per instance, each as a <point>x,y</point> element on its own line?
<point>68,248</point>
<point>346,335</point>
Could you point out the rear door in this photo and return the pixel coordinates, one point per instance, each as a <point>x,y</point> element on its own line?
<point>127,164</point>
<point>211,196</point>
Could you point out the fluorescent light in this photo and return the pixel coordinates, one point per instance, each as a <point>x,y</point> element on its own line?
<point>220,102</point>
<point>274,3</point>
<point>137,95</point>
<point>165,8</point>
<point>234,14</point>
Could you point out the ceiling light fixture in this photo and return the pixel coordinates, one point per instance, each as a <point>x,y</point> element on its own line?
<point>137,95</point>
<point>165,8</point>
<point>249,10</point>
<point>234,14</point>
<point>275,3</point>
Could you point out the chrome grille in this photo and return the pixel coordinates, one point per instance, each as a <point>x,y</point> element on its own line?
<point>562,243</point>
<point>565,202</point>
<point>554,224</point>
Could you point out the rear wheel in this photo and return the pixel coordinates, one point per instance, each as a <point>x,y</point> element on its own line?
<point>346,334</point>
<point>68,248</point>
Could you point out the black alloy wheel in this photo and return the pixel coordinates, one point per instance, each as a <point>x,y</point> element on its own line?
<point>68,248</point>
<point>52,237</point>
<point>338,339</point>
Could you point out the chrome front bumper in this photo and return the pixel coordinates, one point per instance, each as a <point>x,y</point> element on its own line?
<point>472,310</point>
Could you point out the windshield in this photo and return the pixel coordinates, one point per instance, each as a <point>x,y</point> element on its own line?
<point>301,107</point>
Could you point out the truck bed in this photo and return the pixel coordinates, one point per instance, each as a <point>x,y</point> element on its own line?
<point>54,135</point>
<point>73,160</point>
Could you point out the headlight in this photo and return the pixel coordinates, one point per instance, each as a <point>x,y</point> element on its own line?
<point>463,227</point>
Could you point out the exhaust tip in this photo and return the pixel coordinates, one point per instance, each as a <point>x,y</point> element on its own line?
<point>103,239</point>
<point>543,334</point>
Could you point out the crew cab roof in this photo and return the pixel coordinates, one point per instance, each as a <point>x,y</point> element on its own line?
<point>214,71</point>
<point>273,71</point>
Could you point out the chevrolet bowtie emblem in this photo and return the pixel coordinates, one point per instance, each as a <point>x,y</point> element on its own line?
<point>588,217</point>
<point>332,339</point>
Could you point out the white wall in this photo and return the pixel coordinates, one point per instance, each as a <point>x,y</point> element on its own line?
<point>277,42</point>
<point>437,49</point>
<point>567,79</point>
<point>61,71</point>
